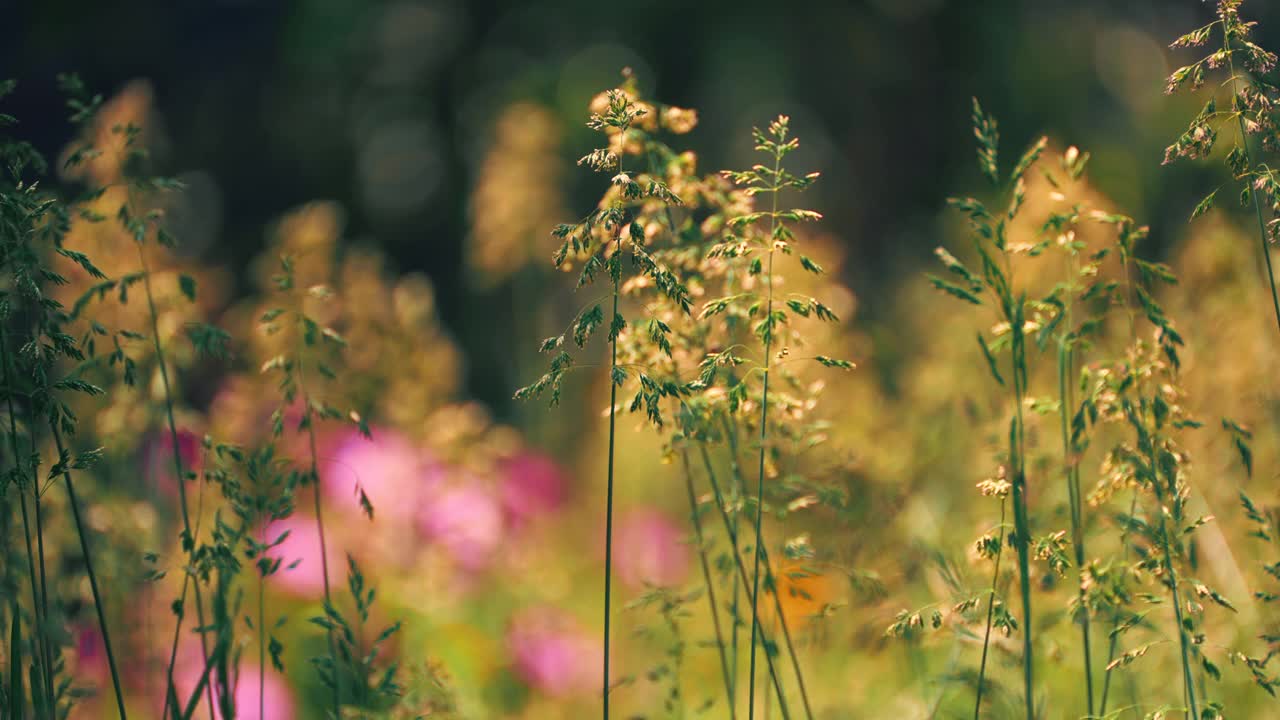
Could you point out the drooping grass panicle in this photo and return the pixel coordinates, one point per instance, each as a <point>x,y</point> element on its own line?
<point>1251,105</point>
<point>35,224</point>
<point>600,241</point>
<point>990,238</point>
<point>310,353</point>
<point>770,232</point>
<point>141,226</point>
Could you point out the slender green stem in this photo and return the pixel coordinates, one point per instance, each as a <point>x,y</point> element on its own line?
<point>1167,549</point>
<point>768,699</point>
<point>781,621</point>
<point>731,432</point>
<point>37,644</point>
<point>742,572</point>
<point>1071,471</point>
<point>1115,622</point>
<point>1114,643</point>
<point>1183,644</point>
<point>1021,522</point>
<point>777,602</point>
<point>188,539</point>
<point>1257,204</point>
<point>216,656</point>
<point>262,635</point>
<point>39,609</point>
<point>16,695</point>
<point>46,641</point>
<point>707,578</point>
<point>324,551</point>
<point>764,439</point>
<point>83,534</point>
<point>991,610</point>
<point>15,700</point>
<point>608,511</point>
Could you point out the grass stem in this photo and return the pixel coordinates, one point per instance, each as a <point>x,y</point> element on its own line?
<point>991,610</point>
<point>608,511</point>
<point>709,580</point>
<point>83,535</point>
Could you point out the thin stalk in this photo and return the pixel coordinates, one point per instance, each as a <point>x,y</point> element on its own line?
<point>324,554</point>
<point>1022,526</point>
<point>782,620</point>
<point>216,656</point>
<point>742,572</point>
<point>608,512</point>
<point>43,634</point>
<point>1115,623</point>
<point>82,532</point>
<point>729,664</point>
<point>8,581</point>
<point>764,439</point>
<point>179,476</point>
<point>991,610</point>
<point>262,636</point>
<point>1183,645</point>
<point>38,588</point>
<point>1071,470</point>
<point>37,645</point>
<point>1114,643</point>
<point>171,693</point>
<point>768,699</point>
<point>731,432</point>
<point>706,576</point>
<point>1257,204</point>
<point>16,704</point>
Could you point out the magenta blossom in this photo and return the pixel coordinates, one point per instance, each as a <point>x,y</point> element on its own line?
<point>393,474</point>
<point>651,549</point>
<point>157,459</point>
<point>466,520</point>
<point>532,485</point>
<point>301,573</point>
<point>273,697</point>
<point>90,656</point>
<point>553,653</point>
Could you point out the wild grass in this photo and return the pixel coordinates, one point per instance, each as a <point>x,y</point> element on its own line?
<point>1251,99</point>
<point>713,314</point>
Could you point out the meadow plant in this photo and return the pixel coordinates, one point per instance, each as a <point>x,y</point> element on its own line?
<point>310,351</point>
<point>1141,393</point>
<point>1135,391</point>
<point>1014,312</point>
<point>600,240</point>
<point>1251,105</point>
<point>704,368</point>
<point>51,362</point>
<point>711,283</point>
<point>696,380</point>
<point>44,363</point>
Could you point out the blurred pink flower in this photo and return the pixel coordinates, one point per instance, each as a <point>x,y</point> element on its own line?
<point>532,484</point>
<point>553,653</point>
<point>394,474</point>
<point>302,546</point>
<point>157,458</point>
<point>91,659</point>
<point>275,696</point>
<point>467,521</point>
<point>650,549</point>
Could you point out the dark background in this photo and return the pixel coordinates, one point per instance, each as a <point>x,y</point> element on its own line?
<point>386,108</point>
